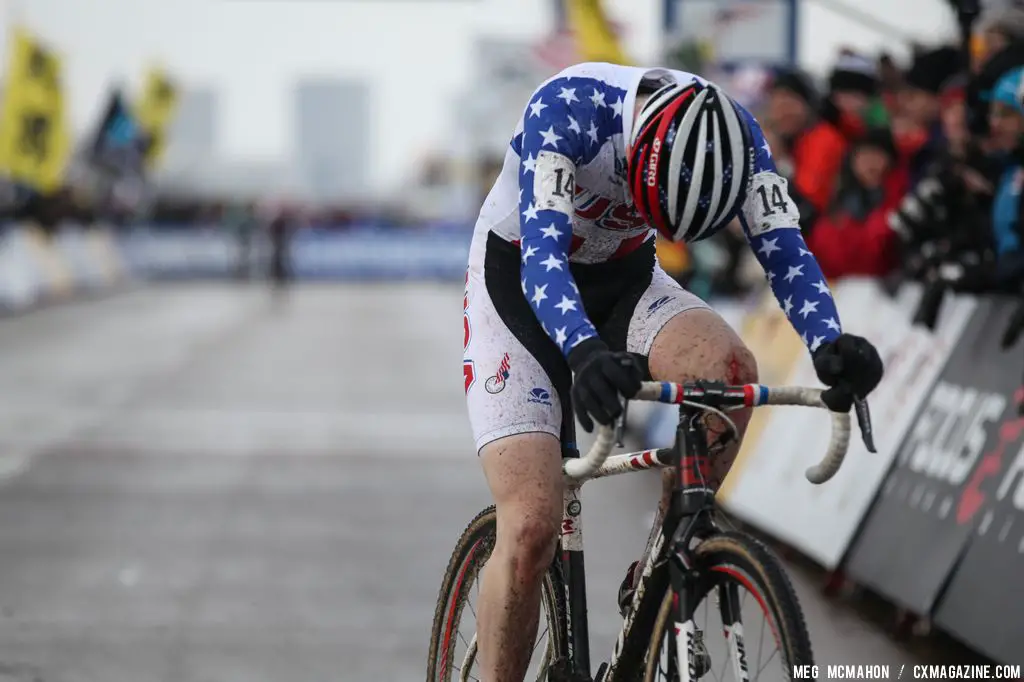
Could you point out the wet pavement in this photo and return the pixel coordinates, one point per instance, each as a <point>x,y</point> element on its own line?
<point>202,483</point>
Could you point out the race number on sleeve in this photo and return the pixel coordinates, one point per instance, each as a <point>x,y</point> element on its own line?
<point>554,183</point>
<point>768,206</point>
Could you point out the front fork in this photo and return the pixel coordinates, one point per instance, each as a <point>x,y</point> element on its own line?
<point>574,574</point>
<point>689,640</point>
<point>691,503</point>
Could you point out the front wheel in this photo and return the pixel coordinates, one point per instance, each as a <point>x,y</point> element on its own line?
<point>731,567</point>
<point>453,650</point>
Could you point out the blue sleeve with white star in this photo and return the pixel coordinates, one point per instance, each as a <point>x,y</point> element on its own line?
<point>770,222</point>
<point>564,126</point>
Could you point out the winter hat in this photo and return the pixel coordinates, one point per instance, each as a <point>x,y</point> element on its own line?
<point>1007,20</point>
<point>954,90</point>
<point>856,73</point>
<point>1009,90</point>
<point>979,88</point>
<point>797,83</point>
<point>932,68</point>
<point>879,138</point>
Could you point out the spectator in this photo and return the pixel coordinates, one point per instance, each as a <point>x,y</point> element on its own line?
<point>1002,31</point>
<point>953,115</point>
<point>944,218</point>
<point>852,104</point>
<point>853,237</point>
<point>1000,27</point>
<point>890,79</point>
<point>238,219</point>
<point>920,134</point>
<point>810,148</point>
<point>281,228</point>
<point>1006,121</point>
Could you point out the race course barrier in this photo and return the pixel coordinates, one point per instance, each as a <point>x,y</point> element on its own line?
<point>38,268</point>
<point>357,253</point>
<point>934,520</point>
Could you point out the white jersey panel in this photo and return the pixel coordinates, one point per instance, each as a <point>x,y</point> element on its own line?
<point>604,216</point>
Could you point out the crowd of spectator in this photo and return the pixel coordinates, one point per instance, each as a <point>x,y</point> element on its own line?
<point>899,170</point>
<point>912,172</point>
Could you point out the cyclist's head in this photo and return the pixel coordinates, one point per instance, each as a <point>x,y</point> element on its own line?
<point>689,160</point>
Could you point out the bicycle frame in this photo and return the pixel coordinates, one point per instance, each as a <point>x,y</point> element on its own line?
<point>681,515</point>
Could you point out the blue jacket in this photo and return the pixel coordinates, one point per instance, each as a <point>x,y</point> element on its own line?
<point>1006,223</point>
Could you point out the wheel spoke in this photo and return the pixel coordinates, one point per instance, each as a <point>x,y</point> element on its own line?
<point>760,642</point>
<point>466,676</point>
<point>467,661</point>
<point>465,671</point>
<point>540,638</point>
<point>724,596</point>
<point>758,673</point>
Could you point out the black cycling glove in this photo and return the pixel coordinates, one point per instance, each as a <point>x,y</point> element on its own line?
<point>850,367</point>
<point>600,378</point>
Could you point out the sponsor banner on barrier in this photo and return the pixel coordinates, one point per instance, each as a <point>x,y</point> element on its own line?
<point>397,253</point>
<point>57,277</point>
<point>189,252</point>
<point>771,491</point>
<point>71,244</point>
<point>949,521</point>
<point>20,278</point>
<point>945,482</point>
<point>103,251</point>
<point>392,253</point>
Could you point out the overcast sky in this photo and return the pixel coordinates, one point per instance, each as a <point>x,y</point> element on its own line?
<point>416,52</point>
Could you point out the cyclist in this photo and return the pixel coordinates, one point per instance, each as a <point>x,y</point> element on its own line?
<point>565,303</point>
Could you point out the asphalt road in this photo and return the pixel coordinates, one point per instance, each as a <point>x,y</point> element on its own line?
<point>199,483</point>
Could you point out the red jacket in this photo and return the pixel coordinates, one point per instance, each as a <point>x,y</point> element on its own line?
<point>846,247</point>
<point>817,156</point>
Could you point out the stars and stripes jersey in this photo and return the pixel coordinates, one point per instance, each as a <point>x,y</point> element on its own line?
<point>562,196</point>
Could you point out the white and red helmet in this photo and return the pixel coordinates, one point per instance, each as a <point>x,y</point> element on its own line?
<point>689,160</point>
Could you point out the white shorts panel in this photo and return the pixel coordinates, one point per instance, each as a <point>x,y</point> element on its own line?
<point>664,299</point>
<point>508,392</point>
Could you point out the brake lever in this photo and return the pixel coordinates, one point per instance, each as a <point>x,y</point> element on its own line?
<point>864,422</point>
<point>620,427</point>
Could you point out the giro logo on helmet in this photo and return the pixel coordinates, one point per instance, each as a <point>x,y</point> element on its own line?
<point>706,141</point>
<point>652,165</point>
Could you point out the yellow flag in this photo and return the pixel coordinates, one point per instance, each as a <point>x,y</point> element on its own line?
<point>155,110</point>
<point>34,143</point>
<point>595,39</point>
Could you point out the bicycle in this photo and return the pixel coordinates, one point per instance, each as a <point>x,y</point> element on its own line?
<point>687,556</point>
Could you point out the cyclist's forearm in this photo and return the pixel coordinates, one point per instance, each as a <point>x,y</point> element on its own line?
<point>549,287</point>
<point>798,284</point>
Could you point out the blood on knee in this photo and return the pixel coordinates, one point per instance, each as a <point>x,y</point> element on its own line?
<point>741,368</point>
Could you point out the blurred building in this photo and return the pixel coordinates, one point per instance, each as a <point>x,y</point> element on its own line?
<point>192,136</point>
<point>332,137</point>
<point>190,160</point>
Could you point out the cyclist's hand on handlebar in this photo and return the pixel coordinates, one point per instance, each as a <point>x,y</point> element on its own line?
<point>850,367</point>
<point>600,378</point>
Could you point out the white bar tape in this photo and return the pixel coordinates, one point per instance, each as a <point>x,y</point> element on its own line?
<point>582,468</point>
<point>839,440</point>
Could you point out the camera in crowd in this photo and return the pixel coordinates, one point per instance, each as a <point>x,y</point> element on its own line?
<point>938,226</point>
